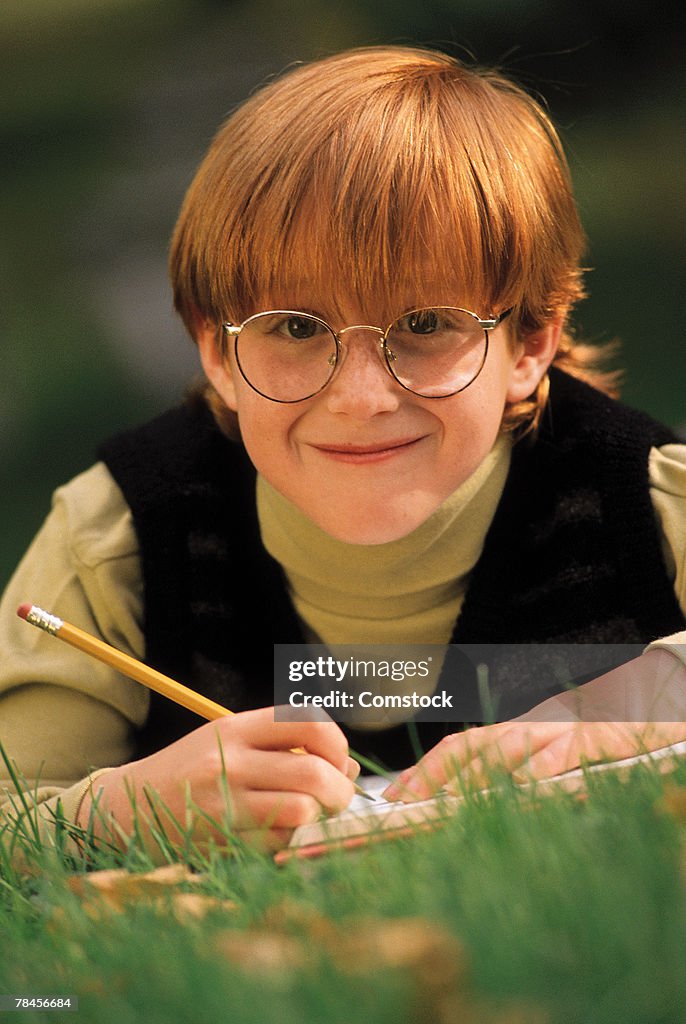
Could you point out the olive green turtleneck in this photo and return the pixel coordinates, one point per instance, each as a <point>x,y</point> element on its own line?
<point>405,591</point>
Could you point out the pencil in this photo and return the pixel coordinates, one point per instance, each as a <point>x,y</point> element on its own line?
<point>124,663</point>
<point>132,668</point>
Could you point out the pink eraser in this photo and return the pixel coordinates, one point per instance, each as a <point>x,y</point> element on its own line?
<point>23,610</point>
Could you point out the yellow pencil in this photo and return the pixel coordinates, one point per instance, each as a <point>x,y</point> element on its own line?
<point>132,668</point>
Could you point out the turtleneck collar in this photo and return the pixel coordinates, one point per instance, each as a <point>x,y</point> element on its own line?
<point>406,590</point>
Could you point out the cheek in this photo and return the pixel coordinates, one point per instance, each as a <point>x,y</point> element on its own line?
<point>489,396</point>
<point>265,430</point>
<point>470,432</point>
<point>221,378</point>
<point>474,422</point>
<point>228,383</point>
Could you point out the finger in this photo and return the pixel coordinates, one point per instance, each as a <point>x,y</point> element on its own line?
<point>266,840</point>
<point>444,761</point>
<point>478,774</point>
<point>404,787</point>
<point>473,755</point>
<point>543,744</point>
<point>286,771</point>
<point>326,740</point>
<point>259,728</point>
<point>276,810</point>
<point>582,742</point>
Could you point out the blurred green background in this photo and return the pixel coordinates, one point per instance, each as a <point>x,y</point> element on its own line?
<point>106,106</point>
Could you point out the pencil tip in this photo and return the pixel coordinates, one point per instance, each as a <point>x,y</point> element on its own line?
<point>23,611</point>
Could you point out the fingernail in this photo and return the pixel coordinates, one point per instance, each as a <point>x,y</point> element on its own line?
<point>397,787</point>
<point>407,793</point>
<point>396,790</point>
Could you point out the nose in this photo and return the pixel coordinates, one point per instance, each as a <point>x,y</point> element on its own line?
<point>362,385</point>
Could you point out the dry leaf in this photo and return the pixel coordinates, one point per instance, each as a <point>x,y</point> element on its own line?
<point>302,920</point>
<point>118,888</point>
<point>673,801</point>
<point>194,905</point>
<point>292,936</point>
<point>259,952</point>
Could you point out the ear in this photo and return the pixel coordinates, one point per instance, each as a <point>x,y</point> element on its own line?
<point>215,364</point>
<point>535,353</point>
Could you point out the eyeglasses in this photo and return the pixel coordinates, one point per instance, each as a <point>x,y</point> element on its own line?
<point>289,356</point>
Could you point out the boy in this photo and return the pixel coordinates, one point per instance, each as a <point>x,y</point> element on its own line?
<point>377,259</point>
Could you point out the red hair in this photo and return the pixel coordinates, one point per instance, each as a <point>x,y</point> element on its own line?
<point>378,174</point>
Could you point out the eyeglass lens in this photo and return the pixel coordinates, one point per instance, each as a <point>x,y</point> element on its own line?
<point>290,356</point>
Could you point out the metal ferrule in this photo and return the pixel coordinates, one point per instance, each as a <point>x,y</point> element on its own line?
<point>38,617</point>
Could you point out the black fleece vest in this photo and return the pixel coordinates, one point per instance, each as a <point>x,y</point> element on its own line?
<point>572,556</point>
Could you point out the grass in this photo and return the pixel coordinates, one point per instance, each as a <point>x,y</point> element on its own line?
<point>521,909</point>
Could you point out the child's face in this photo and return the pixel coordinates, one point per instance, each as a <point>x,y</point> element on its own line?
<point>365,459</point>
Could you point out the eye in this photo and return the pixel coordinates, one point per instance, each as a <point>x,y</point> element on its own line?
<point>286,328</point>
<point>424,321</point>
<point>301,328</point>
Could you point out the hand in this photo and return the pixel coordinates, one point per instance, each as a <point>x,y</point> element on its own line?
<point>271,789</point>
<point>597,722</point>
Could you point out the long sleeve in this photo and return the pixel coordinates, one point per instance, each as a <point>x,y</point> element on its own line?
<point>668,490</point>
<point>656,692</point>
<point>62,714</point>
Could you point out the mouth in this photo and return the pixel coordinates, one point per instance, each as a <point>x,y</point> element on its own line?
<point>365,453</point>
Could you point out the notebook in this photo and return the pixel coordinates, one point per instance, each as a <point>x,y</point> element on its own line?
<point>363,822</point>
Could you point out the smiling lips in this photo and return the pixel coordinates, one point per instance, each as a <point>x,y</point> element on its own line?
<point>365,453</point>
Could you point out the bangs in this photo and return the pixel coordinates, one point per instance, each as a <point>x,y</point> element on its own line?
<point>383,252</point>
<point>388,178</point>
<point>324,265</point>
